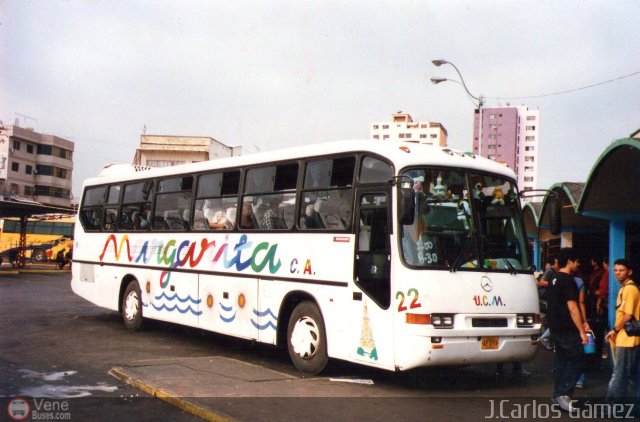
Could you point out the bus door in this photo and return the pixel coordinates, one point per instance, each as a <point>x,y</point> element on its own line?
<point>372,327</point>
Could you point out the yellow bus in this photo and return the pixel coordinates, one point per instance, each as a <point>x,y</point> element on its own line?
<point>45,237</point>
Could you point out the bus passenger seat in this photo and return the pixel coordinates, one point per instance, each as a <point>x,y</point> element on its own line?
<point>199,222</point>
<point>173,219</point>
<point>364,239</point>
<point>320,209</point>
<point>231,216</point>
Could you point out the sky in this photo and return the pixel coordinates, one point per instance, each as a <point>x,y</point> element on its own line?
<point>274,74</point>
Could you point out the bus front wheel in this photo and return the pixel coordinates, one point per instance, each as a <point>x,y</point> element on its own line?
<point>132,307</point>
<point>39,255</point>
<point>306,339</point>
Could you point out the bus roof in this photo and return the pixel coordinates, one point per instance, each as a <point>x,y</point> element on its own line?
<point>402,154</point>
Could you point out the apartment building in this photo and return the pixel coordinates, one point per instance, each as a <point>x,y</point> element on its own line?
<point>36,166</point>
<point>403,128</point>
<point>166,150</point>
<point>510,135</point>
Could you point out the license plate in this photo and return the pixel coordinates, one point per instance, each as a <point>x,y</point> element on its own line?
<point>489,343</point>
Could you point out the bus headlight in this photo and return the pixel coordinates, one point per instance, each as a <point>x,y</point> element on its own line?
<point>442,320</point>
<point>527,320</point>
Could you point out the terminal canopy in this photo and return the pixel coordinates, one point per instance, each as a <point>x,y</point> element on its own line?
<point>613,187</point>
<point>20,209</point>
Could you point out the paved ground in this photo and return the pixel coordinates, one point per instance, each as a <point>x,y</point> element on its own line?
<point>47,328</point>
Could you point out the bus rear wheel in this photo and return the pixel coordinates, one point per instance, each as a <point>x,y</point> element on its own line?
<point>132,307</point>
<point>39,255</point>
<point>306,339</point>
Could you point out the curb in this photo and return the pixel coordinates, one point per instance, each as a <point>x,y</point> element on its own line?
<point>179,402</point>
<point>30,271</point>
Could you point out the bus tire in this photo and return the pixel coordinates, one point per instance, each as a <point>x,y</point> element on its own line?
<point>132,307</point>
<point>39,255</point>
<point>307,339</point>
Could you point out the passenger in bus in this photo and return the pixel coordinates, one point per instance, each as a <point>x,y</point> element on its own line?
<point>219,221</point>
<point>312,218</point>
<point>246,217</point>
<point>136,219</point>
<point>269,218</point>
<point>231,217</point>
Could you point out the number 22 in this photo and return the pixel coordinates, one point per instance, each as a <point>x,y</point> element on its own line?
<point>414,303</point>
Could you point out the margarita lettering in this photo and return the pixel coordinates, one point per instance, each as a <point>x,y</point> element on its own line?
<point>240,256</point>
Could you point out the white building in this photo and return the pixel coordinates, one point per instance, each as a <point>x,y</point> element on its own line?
<point>36,166</point>
<point>403,128</point>
<point>164,151</point>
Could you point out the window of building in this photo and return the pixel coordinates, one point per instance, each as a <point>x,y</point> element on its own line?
<point>52,191</point>
<point>30,148</point>
<point>531,117</point>
<point>529,148</point>
<point>531,128</point>
<point>433,136</point>
<point>28,169</point>
<point>528,179</point>
<point>28,190</point>
<point>44,149</point>
<point>401,135</point>
<point>528,169</point>
<point>529,158</point>
<point>529,138</point>
<point>385,126</point>
<point>43,170</point>
<point>423,135</point>
<point>375,126</point>
<point>385,136</point>
<point>376,136</point>
<point>16,145</point>
<point>15,166</point>
<point>424,125</point>
<point>14,188</point>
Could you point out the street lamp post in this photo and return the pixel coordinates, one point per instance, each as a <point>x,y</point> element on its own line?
<point>480,99</point>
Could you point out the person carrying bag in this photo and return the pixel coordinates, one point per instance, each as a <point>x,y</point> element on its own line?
<point>623,345</point>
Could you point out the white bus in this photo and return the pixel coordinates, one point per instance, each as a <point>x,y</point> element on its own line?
<point>393,255</point>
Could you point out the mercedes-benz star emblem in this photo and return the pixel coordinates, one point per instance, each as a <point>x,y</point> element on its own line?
<point>486,284</point>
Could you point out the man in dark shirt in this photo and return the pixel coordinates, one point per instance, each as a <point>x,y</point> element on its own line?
<point>567,328</point>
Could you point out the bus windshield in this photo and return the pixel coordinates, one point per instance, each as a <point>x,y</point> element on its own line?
<point>464,220</point>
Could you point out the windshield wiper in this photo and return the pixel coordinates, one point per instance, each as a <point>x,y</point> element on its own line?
<point>512,269</point>
<point>457,263</point>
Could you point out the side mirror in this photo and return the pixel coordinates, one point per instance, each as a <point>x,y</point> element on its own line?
<point>555,216</point>
<point>406,205</point>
